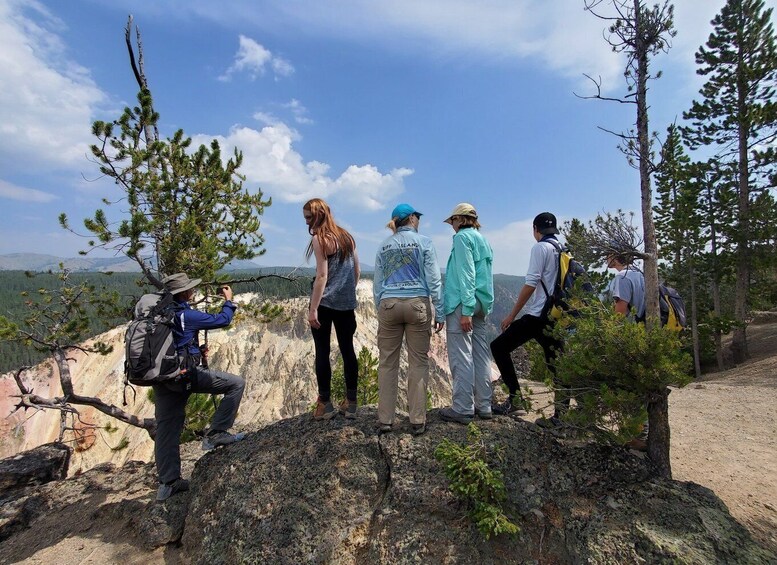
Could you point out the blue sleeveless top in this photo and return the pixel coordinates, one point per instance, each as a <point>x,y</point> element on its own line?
<point>340,289</point>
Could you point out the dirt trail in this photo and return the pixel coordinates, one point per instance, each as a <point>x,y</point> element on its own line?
<point>724,435</point>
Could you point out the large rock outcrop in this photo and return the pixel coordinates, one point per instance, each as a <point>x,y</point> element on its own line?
<point>300,491</point>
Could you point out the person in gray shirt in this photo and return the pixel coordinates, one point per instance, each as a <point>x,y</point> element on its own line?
<point>627,288</point>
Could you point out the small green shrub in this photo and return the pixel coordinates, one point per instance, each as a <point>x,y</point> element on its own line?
<point>123,444</point>
<point>475,483</point>
<point>367,388</point>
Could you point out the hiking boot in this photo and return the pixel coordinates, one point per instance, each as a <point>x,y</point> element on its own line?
<point>216,438</point>
<point>637,444</point>
<point>324,410</point>
<point>418,429</point>
<point>450,415</point>
<point>383,428</point>
<point>484,415</point>
<point>552,422</point>
<point>348,409</point>
<point>167,490</point>
<point>509,407</point>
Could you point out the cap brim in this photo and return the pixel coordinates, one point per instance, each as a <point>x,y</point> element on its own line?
<point>548,231</point>
<point>449,220</point>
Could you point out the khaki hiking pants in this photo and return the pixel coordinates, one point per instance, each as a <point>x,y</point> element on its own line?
<point>410,318</point>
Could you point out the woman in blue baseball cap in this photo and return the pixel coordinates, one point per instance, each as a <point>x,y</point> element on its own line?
<point>407,276</point>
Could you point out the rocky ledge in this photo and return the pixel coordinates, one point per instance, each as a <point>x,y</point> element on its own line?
<point>300,491</point>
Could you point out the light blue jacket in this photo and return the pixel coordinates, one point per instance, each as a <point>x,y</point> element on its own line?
<point>406,266</point>
<point>468,276</point>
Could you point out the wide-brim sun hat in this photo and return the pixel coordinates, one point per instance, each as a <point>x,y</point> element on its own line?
<point>463,209</point>
<point>179,282</point>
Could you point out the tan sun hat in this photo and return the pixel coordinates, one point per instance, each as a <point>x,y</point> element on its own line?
<point>463,209</point>
<point>179,282</point>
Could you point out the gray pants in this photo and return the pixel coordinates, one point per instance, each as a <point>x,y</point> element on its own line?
<point>469,358</point>
<point>170,406</point>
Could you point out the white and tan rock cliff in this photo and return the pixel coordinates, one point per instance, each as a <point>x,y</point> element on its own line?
<point>275,358</point>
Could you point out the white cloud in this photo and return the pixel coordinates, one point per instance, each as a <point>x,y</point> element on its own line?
<point>298,111</point>
<point>557,35</point>
<point>13,192</point>
<point>270,160</point>
<point>47,101</point>
<point>253,59</point>
<point>267,118</point>
<point>512,244</point>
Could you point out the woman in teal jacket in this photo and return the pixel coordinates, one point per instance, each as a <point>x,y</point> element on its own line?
<point>469,298</point>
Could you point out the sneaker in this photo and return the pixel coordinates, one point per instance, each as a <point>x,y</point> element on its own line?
<point>507,407</point>
<point>483,415</point>
<point>450,415</point>
<point>418,429</point>
<point>167,490</point>
<point>348,409</point>
<point>324,410</point>
<point>217,438</point>
<point>383,428</point>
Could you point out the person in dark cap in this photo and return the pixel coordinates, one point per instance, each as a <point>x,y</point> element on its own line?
<point>532,320</point>
<point>170,397</point>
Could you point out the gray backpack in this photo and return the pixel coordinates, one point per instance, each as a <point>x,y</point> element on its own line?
<point>149,347</point>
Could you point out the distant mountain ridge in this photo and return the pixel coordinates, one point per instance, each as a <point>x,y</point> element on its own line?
<point>42,262</point>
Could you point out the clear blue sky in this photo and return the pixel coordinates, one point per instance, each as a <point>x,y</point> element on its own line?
<point>365,103</point>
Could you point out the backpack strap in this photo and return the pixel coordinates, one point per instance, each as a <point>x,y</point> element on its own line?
<point>554,242</point>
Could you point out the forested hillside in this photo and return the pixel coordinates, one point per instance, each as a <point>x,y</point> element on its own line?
<point>17,287</point>
<point>287,284</point>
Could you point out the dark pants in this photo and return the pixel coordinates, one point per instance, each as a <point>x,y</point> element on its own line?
<point>518,333</point>
<point>345,327</point>
<point>169,410</point>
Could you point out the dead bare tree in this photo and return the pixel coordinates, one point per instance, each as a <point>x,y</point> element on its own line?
<point>56,323</point>
<point>640,33</point>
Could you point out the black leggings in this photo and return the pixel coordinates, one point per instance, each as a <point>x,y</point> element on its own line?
<point>345,326</point>
<point>519,332</point>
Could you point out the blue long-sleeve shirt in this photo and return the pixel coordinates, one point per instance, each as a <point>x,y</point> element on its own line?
<point>406,266</point>
<point>189,321</point>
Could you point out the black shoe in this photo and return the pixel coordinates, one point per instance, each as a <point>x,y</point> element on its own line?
<point>418,429</point>
<point>450,415</point>
<point>509,407</point>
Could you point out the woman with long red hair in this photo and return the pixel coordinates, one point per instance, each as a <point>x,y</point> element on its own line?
<point>332,302</point>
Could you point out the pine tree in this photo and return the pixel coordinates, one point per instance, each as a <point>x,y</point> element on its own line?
<point>737,117</point>
<point>679,225</point>
<point>188,209</point>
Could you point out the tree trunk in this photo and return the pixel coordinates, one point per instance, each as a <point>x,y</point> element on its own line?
<point>658,432</point>
<point>148,424</point>
<point>715,278</point>
<point>694,321</point>
<point>650,266</point>
<point>658,407</point>
<point>739,342</point>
